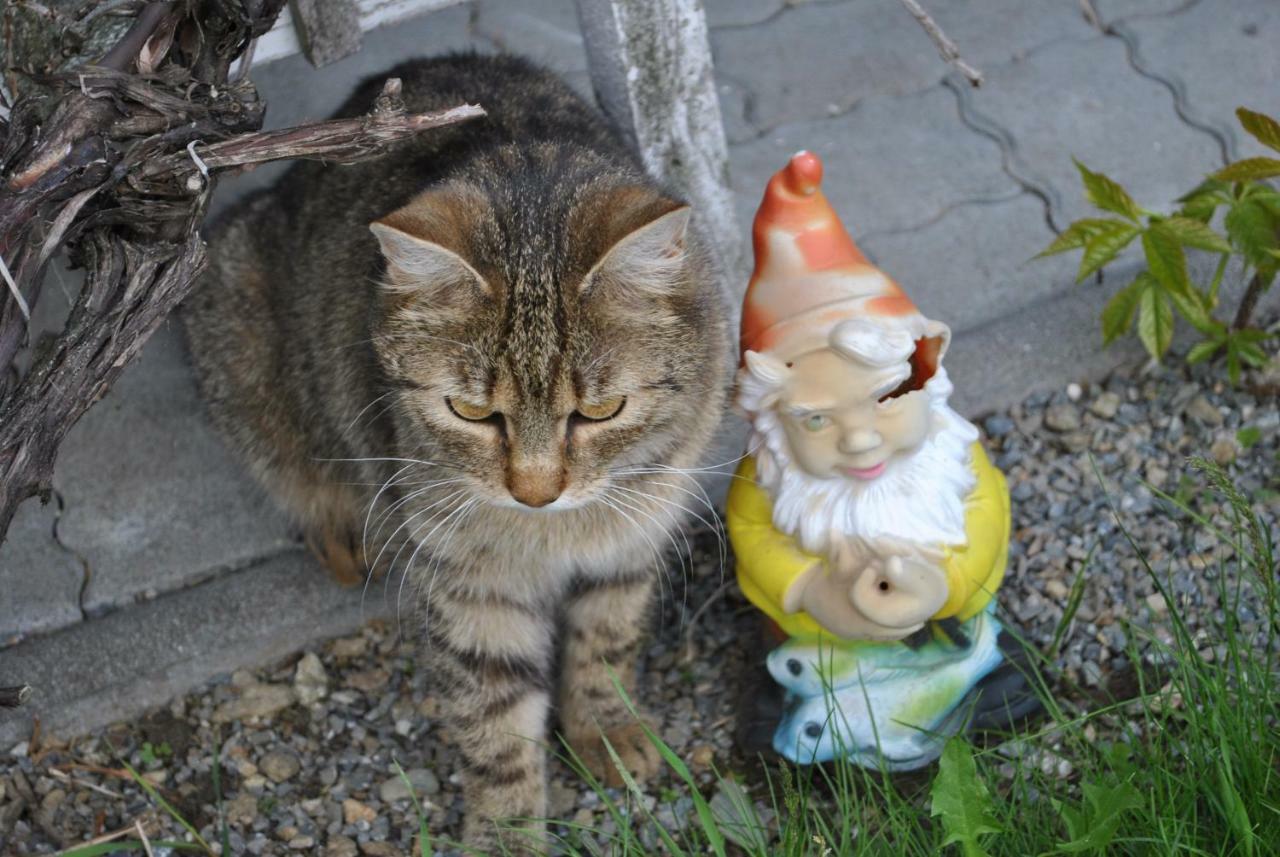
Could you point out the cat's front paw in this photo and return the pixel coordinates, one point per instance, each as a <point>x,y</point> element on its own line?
<point>632,746</point>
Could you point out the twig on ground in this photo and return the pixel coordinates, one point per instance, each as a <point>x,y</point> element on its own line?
<point>142,835</point>
<point>60,774</point>
<point>946,48</point>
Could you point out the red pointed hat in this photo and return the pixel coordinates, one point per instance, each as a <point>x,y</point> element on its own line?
<point>809,275</point>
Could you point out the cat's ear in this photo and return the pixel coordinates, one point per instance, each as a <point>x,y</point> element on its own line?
<point>651,259</point>
<point>416,262</point>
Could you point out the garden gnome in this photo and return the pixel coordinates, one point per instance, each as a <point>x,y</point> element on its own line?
<point>867,521</point>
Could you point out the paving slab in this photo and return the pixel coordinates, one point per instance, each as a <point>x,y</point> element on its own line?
<point>974,263</point>
<point>821,58</point>
<point>153,500</point>
<point>891,163</point>
<point>1117,11</point>
<point>1082,99</point>
<point>1236,61</point>
<point>39,579</point>
<point>117,666</point>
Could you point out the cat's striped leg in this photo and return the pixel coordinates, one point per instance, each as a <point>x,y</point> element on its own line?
<point>607,624</point>
<point>495,653</point>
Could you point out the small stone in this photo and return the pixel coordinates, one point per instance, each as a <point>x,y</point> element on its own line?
<point>1203,410</point>
<point>354,812</point>
<point>1105,406</point>
<point>341,846</point>
<point>255,700</point>
<point>242,810</point>
<point>702,756</point>
<point>380,849</point>
<point>279,766</point>
<point>1056,589</point>
<point>1062,417</point>
<point>403,727</point>
<point>424,782</point>
<point>302,843</point>
<point>1156,603</point>
<point>368,681</point>
<point>1074,392</point>
<point>998,425</point>
<point>19,750</point>
<point>310,681</point>
<point>349,647</point>
<point>1224,450</point>
<point>1157,475</point>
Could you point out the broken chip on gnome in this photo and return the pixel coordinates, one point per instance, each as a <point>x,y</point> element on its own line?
<point>868,509</point>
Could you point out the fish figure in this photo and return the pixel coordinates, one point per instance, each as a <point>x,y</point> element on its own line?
<point>875,702</point>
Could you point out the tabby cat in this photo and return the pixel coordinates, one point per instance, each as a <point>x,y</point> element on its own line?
<point>487,357</point>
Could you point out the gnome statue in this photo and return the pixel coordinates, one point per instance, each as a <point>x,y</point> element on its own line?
<point>868,523</point>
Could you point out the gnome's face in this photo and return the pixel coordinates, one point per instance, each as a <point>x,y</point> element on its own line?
<point>845,418</point>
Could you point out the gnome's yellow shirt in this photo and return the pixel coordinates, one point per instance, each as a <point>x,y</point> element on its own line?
<point>770,561</point>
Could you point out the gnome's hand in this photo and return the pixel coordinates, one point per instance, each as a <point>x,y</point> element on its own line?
<point>826,598</point>
<point>899,592</point>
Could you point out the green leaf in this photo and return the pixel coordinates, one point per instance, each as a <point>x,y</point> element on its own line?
<point>1252,228</point>
<point>1249,436</point>
<point>1104,244</point>
<point>1251,354</point>
<point>1077,234</point>
<point>1166,258</point>
<point>1155,321</point>
<point>1093,827</point>
<point>961,798</point>
<point>1107,194</point>
<point>1250,169</point>
<point>1193,233</point>
<point>1203,351</point>
<point>1263,128</point>
<point>1117,315</point>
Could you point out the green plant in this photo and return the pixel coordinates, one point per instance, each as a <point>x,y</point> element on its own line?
<point>152,754</point>
<point>1251,221</point>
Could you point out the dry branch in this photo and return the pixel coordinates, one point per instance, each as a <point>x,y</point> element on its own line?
<point>946,48</point>
<point>118,166</point>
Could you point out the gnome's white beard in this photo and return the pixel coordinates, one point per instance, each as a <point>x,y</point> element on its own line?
<point>918,500</point>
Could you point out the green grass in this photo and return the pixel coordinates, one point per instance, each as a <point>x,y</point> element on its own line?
<point>1187,765</point>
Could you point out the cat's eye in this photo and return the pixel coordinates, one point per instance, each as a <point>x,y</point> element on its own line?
<point>469,412</point>
<point>604,410</point>
<point>816,422</point>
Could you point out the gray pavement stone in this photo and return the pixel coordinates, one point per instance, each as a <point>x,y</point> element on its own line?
<point>974,263</point>
<point>1235,61</point>
<point>822,58</point>
<point>1116,11</point>
<point>154,502</point>
<point>743,13</point>
<point>543,30</point>
<point>1083,99</point>
<point>117,666</point>
<point>891,163</point>
<point>39,579</point>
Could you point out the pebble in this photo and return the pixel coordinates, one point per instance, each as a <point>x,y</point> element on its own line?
<point>310,681</point>
<point>1062,417</point>
<point>1224,450</point>
<point>1201,409</point>
<point>354,812</point>
<point>1105,405</point>
<point>255,700</point>
<point>341,846</point>
<point>424,783</point>
<point>279,766</point>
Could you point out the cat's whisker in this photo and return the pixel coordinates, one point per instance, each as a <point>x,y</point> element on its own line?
<point>717,528</point>
<point>686,557</point>
<point>412,495</point>
<point>363,411</point>
<point>446,499</point>
<point>659,561</point>
<point>364,534</point>
<point>418,543</point>
<point>462,512</point>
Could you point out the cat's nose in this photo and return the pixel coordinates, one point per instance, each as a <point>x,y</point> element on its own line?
<point>535,486</point>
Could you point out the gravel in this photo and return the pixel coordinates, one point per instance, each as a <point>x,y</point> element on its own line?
<point>307,747</point>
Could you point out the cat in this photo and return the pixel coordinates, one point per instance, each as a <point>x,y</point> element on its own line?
<point>505,346</point>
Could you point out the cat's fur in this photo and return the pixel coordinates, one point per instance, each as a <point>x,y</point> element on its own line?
<point>530,265</point>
